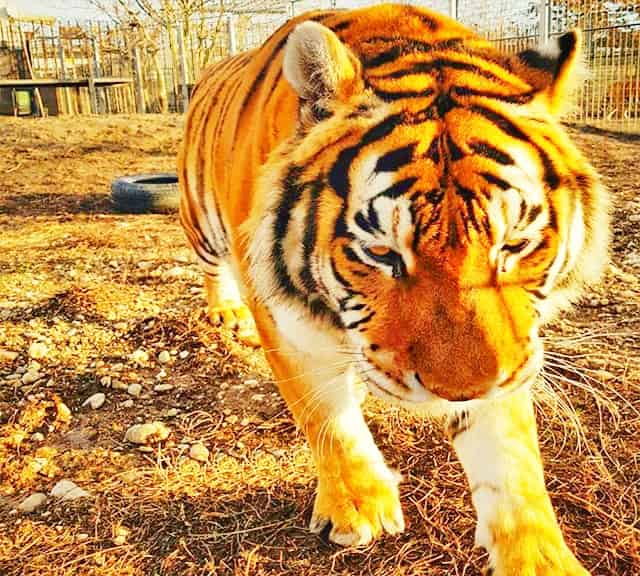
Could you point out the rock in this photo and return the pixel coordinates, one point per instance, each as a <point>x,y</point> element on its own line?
<point>172,412</point>
<point>68,490</point>
<point>30,378</point>
<point>7,355</point>
<point>33,502</point>
<point>251,382</point>
<point>232,419</point>
<point>134,390</point>
<point>38,350</point>
<point>199,452</point>
<point>161,374</point>
<point>95,400</point>
<point>164,357</point>
<point>139,356</point>
<point>147,433</point>
<point>120,535</point>
<point>82,537</point>
<point>37,437</point>
<point>183,354</point>
<point>119,385</point>
<point>634,218</point>
<point>146,265</point>
<point>63,411</point>
<point>105,381</point>
<point>163,387</point>
<point>175,272</point>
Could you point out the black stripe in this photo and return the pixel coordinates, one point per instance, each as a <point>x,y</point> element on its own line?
<point>551,176</point>
<point>398,189</point>
<point>393,96</point>
<point>351,255</point>
<point>534,212</point>
<point>458,424</point>
<point>455,152</point>
<point>499,182</point>
<point>522,98</point>
<point>363,320</point>
<point>362,222</point>
<point>263,71</point>
<point>392,161</point>
<point>488,151</point>
<point>435,196</point>
<point>339,174</point>
<point>309,238</point>
<point>433,153</point>
<point>408,46</point>
<point>292,190</point>
<point>372,214</point>
<point>339,277</point>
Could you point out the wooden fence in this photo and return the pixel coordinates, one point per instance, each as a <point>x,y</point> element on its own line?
<point>163,62</point>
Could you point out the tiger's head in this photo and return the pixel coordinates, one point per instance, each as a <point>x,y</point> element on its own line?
<point>429,205</point>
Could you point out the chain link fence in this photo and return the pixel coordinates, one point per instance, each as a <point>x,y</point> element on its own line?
<point>164,62</point>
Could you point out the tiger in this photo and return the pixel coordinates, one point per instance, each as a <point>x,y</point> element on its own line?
<point>385,201</point>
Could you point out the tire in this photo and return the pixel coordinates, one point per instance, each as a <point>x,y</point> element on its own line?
<point>146,193</point>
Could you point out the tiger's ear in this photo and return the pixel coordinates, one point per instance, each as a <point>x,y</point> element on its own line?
<point>318,65</point>
<point>553,70</point>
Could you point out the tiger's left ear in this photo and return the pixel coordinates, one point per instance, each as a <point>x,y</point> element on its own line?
<point>553,70</point>
<point>318,65</point>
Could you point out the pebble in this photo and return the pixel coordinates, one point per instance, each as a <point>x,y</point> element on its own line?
<point>175,272</point>
<point>68,490</point>
<point>251,382</point>
<point>120,535</point>
<point>147,433</point>
<point>33,502</point>
<point>63,411</point>
<point>105,381</point>
<point>634,218</point>
<point>82,537</point>
<point>172,412</point>
<point>30,377</point>
<point>257,397</point>
<point>37,437</point>
<point>119,385</point>
<point>199,452</point>
<point>160,375</point>
<point>183,354</point>
<point>134,390</point>
<point>164,357</point>
<point>7,355</point>
<point>232,419</point>
<point>127,403</point>
<point>145,265</point>
<point>163,387</point>
<point>38,350</point>
<point>95,400</point>
<point>139,356</point>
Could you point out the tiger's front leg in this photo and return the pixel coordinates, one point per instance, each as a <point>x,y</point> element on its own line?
<point>498,447</point>
<point>357,495</point>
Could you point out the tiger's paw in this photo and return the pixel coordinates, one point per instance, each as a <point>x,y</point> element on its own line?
<point>358,505</point>
<point>531,555</point>
<point>236,317</point>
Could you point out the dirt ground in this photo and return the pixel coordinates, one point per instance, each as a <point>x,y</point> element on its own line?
<point>97,296</point>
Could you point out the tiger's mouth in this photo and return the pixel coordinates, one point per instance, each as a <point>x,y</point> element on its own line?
<point>413,391</point>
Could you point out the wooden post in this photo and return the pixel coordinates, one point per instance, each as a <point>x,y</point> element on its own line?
<point>137,68</point>
<point>98,97</point>
<point>27,57</point>
<point>543,21</point>
<point>453,9</point>
<point>231,32</point>
<point>182,60</point>
<point>93,99</point>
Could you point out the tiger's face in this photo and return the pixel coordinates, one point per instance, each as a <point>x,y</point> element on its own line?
<point>435,213</point>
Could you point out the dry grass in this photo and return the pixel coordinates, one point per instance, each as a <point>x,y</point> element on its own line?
<point>70,276</point>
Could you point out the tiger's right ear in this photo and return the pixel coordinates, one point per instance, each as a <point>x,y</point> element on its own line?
<point>318,65</point>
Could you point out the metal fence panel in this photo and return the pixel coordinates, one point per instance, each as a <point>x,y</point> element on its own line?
<point>170,58</point>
